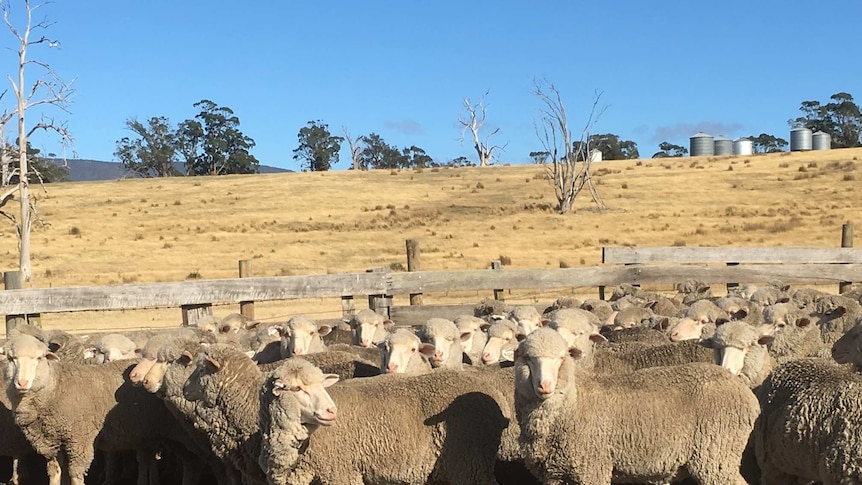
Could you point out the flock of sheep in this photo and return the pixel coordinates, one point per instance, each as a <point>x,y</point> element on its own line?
<point>760,386</point>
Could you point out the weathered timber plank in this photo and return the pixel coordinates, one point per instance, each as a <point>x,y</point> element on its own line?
<point>636,255</point>
<point>158,295</point>
<point>416,315</point>
<point>176,294</point>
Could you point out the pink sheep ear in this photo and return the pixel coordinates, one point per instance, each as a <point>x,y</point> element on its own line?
<point>324,330</point>
<point>329,379</point>
<point>520,336</point>
<point>465,336</point>
<point>51,356</point>
<point>765,339</point>
<point>545,322</point>
<point>598,338</point>
<point>388,324</point>
<point>427,350</point>
<point>212,363</point>
<point>485,326</point>
<point>575,352</point>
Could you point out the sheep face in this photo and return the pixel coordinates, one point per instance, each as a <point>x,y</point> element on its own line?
<point>581,341</point>
<point>307,390</point>
<point>140,371</point>
<point>28,363</point>
<point>687,329</point>
<point>848,348</point>
<point>733,341</point>
<point>152,382</point>
<point>399,349</point>
<point>537,363</point>
<point>444,336</point>
<point>369,328</point>
<point>301,335</point>
<point>195,388</point>
<point>469,326</point>
<point>502,336</point>
<point>527,318</point>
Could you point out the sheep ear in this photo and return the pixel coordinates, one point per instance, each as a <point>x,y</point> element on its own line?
<point>740,314</point>
<point>803,322</point>
<point>51,356</point>
<point>765,339</point>
<point>277,387</point>
<point>840,311</point>
<point>575,352</point>
<point>388,324</point>
<point>520,336</point>
<point>185,358</point>
<point>545,322</point>
<point>427,350</point>
<point>721,321</point>
<point>329,379</point>
<point>784,299</point>
<point>275,331</point>
<point>212,363</point>
<point>598,338</point>
<point>324,330</point>
<point>465,336</point>
<point>485,326</point>
<point>663,324</point>
<point>508,355</point>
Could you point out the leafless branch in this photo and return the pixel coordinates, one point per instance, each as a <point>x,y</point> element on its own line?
<point>355,149</point>
<point>475,121</point>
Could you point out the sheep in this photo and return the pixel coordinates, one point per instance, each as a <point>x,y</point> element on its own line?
<point>633,356</point>
<point>599,308</point>
<point>226,383</point>
<point>115,416</point>
<point>741,349</point>
<point>446,427</point>
<point>699,321</point>
<point>403,353</point>
<point>13,443</point>
<point>795,335</point>
<point>738,308</point>
<point>662,305</point>
<point>835,315</point>
<point>690,291</point>
<point>526,317</point>
<point>646,426</point>
<point>208,323</point>
<point>645,335</point>
<point>808,429</point>
<point>476,338</point>
<point>490,309</point>
<point>579,328</point>
<point>503,336</point>
<point>563,302</point>
<point>770,295</point>
<point>848,348</point>
<point>446,339</point>
<point>110,347</point>
<point>369,328</point>
<point>632,316</point>
<point>301,335</point>
<point>806,297</point>
<point>65,346</point>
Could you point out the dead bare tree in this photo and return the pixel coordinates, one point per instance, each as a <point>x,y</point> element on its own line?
<point>47,90</point>
<point>474,120</point>
<point>568,167</point>
<point>355,149</point>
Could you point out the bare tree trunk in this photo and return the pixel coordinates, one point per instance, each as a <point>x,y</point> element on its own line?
<point>476,121</point>
<point>23,181</point>
<point>355,149</point>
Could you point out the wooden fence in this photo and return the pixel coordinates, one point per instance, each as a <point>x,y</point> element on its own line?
<point>632,265</point>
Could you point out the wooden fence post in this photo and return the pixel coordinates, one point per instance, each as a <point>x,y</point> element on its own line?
<point>846,242</point>
<point>246,308</point>
<point>498,293</point>
<point>379,303</point>
<point>14,280</point>
<point>193,313</point>
<point>414,263</point>
<point>348,309</point>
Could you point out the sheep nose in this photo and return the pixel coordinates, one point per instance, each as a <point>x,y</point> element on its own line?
<point>392,368</point>
<point>22,384</point>
<point>545,387</point>
<point>297,352</point>
<point>364,342</point>
<point>674,336</point>
<point>486,357</point>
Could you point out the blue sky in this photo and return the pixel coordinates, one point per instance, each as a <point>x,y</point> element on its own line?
<point>667,69</point>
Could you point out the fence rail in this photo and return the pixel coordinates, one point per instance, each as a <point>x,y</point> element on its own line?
<point>632,265</point>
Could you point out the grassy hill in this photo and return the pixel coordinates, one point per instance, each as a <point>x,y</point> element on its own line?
<point>145,230</point>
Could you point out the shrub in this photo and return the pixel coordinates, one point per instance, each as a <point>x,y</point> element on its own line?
<point>505,260</point>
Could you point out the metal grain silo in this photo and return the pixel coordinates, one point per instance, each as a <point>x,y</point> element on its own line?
<point>800,139</point>
<point>722,146</point>
<point>821,141</point>
<point>743,146</point>
<point>701,145</point>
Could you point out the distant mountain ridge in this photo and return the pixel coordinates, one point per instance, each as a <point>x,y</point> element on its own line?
<point>87,170</point>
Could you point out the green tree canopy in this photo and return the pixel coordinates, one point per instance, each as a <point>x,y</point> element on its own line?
<point>766,143</point>
<point>613,148</point>
<point>318,148</point>
<point>841,118</point>
<point>670,150</point>
<point>152,151</point>
<point>540,158</point>
<point>221,147</point>
<point>415,157</point>
<point>376,153</point>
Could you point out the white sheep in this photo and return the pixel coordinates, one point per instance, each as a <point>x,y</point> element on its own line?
<point>403,353</point>
<point>503,337</point>
<point>741,349</point>
<point>809,428</point>
<point>369,328</point>
<point>110,347</point>
<point>446,339</point>
<point>526,317</point>
<point>646,426</point>
<point>301,335</point>
<point>474,328</point>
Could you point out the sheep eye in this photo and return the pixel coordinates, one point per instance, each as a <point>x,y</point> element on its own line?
<point>412,349</point>
<point>296,389</point>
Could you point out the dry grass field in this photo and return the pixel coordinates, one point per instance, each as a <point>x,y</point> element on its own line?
<point>137,231</point>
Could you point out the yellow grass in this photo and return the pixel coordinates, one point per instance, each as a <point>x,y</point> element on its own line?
<point>136,231</point>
